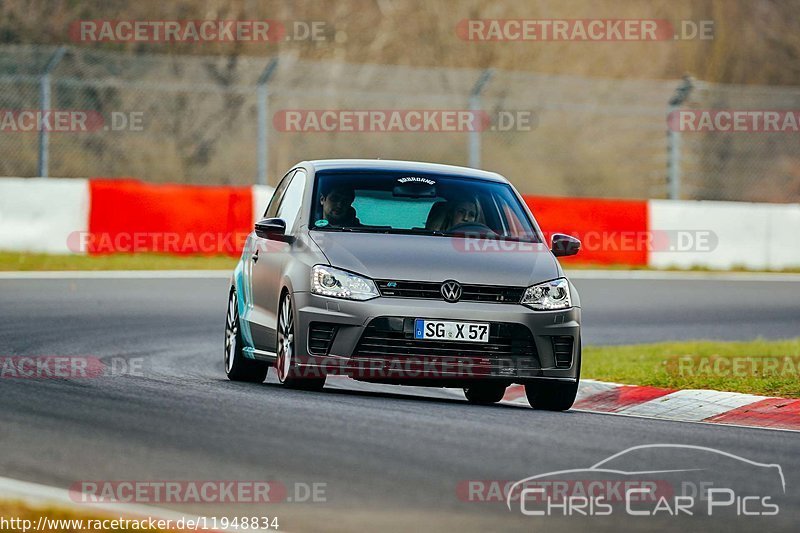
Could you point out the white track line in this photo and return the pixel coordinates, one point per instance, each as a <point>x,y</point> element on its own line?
<point>670,275</point>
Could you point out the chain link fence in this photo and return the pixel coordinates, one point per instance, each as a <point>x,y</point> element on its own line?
<point>751,165</point>
<point>215,120</point>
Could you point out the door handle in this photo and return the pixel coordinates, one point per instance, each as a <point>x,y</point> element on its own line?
<point>254,257</point>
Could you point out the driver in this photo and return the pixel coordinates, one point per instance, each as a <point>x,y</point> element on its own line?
<point>337,206</point>
<point>464,210</point>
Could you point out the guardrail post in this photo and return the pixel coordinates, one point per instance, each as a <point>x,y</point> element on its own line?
<point>474,141</point>
<point>262,93</point>
<point>674,139</point>
<point>44,106</point>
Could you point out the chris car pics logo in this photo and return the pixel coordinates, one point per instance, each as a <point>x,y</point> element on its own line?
<point>655,480</point>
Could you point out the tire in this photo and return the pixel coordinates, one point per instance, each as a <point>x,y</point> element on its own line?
<point>285,365</point>
<point>485,393</point>
<point>554,395</point>
<point>551,396</point>
<point>237,366</point>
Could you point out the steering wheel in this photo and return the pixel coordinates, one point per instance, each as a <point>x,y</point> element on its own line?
<point>472,228</point>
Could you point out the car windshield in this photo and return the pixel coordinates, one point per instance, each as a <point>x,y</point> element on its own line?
<point>392,202</point>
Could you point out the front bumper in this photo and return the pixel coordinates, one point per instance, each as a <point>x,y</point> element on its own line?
<point>352,318</point>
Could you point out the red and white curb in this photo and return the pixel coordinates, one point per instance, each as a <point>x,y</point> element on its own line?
<point>63,216</point>
<point>689,405</point>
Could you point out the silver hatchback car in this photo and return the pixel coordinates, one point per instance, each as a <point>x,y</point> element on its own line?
<point>406,273</point>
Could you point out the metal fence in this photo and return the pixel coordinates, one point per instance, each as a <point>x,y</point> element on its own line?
<point>212,120</point>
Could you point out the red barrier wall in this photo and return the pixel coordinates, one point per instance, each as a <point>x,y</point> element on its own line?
<point>132,216</point>
<point>611,231</point>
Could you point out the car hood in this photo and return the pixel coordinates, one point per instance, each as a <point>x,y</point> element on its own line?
<point>429,258</point>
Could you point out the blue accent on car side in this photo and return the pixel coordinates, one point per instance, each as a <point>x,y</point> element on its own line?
<point>242,285</point>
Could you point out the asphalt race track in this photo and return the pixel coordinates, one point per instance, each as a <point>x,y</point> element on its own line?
<point>391,458</point>
<point>635,311</point>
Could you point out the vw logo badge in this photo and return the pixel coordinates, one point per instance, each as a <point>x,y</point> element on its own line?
<point>451,291</point>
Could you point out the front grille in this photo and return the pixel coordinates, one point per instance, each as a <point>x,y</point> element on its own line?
<point>391,339</point>
<point>431,290</point>
<point>320,337</point>
<point>562,350</point>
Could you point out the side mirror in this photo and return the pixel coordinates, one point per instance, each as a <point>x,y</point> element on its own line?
<point>564,245</point>
<point>272,228</point>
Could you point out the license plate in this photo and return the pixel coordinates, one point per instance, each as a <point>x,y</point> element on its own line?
<point>451,331</point>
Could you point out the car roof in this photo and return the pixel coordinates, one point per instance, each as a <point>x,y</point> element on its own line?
<point>404,166</point>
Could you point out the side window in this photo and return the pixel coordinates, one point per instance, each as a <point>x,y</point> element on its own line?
<point>514,219</point>
<point>292,200</point>
<point>277,196</point>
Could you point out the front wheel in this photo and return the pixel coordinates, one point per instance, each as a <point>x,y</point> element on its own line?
<point>551,396</point>
<point>555,395</point>
<point>237,366</point>
<point>485,393</point>
<point>285,366</point>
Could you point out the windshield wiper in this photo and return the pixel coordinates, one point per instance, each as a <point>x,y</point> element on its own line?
<point>368,229</point>
<point>389,231</point>
<point>335,228</point>
<point>418,232</point>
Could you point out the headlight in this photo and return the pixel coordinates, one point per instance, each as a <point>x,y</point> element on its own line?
<point>329,281</point>
<point>548,296</point>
